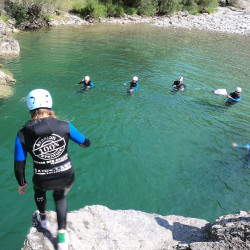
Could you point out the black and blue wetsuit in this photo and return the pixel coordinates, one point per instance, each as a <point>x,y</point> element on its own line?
<point>177,86</point>
<point>85,85</point>
<point>46,140</point>
<point>134,85</point>
<point>247,146</point>
<point>234,97</point>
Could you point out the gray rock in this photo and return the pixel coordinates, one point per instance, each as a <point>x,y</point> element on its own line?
<point>9,47</point>
<point>3,27</point>
<point>5,78</point>
<point>97,227</point>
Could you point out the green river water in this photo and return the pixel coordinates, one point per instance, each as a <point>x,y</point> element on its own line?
<point>155,151</point>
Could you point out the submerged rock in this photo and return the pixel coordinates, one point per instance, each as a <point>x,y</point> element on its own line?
<point>5,78</point>
<point>97,227</point>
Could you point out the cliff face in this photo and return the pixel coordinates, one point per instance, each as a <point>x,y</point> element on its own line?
<point>97,227</point>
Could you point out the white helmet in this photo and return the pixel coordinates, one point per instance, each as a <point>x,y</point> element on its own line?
<point>238,89</point>
<point>135,78</point>
<point>180,79</point>
<point>39,98</point>
<point>86,78</point>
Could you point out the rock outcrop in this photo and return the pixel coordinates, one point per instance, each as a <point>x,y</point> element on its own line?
<point>8,46</point>
<point>67,19</point>
<point>97,227</point>
<point>5,78</point>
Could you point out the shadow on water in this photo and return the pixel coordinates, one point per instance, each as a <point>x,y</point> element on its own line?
<point>183,233</point>
<point>81,91</point>
<point>210,105</point>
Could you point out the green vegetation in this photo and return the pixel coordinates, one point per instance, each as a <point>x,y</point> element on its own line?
<point>4,18</point>
<point>30,10</point>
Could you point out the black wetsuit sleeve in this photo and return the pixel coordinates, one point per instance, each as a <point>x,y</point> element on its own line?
<point>86,143</point>
<point>19,167</point>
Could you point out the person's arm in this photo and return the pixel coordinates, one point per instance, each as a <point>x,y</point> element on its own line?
<point>81,82</point>
<point>19,165</point>
<point>183,87</point>
<point>137,86</point>
<point>77,137</point>
<point>235,100</point>
<point>242,147</point>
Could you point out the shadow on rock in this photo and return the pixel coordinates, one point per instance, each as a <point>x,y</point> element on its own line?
<point>44,231</point>
<point>185,234</point>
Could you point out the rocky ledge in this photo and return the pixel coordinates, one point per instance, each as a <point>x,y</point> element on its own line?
<point>8,46</point>
<point>97,227</point>
<point>226,20</point>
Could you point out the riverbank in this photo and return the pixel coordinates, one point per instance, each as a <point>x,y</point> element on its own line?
<point>98,227</point>
<point>225,19</point>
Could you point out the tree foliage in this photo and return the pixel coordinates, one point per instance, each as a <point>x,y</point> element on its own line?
<point>26,10</point>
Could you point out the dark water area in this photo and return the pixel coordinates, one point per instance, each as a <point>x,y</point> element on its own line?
<point>153,151</point>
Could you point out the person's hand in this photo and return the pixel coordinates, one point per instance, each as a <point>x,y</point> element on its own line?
<point>234,144</point>
<point>229,96</point>
<point>124,83</point>
<point>21,189</point>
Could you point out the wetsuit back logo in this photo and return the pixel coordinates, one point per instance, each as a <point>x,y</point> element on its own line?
<point>49,147</point>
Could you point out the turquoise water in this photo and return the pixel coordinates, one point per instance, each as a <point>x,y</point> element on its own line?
<point>155,151</point>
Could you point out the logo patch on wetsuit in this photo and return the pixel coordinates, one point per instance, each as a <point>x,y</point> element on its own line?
<point>49,147</point>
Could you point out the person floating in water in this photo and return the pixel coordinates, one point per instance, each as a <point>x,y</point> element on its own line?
<point>134,85</point>
<point>87,84</point>
<point>179,85</point>
<point>247,156</point>
<point>46,139</point>
<point>247,146</point>
<point>234,96</point>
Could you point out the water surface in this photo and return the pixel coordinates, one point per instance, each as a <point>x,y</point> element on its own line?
<point>155,151</point>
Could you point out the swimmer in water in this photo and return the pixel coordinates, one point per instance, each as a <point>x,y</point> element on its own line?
<point>179,85</point>
<point>235,96</point>
<point>134,85</point>
<point>87,84</point>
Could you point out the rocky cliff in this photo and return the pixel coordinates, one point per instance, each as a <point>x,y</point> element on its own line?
<point>97,227</point>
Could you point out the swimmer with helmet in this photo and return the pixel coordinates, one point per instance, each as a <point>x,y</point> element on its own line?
<point>134,85</point>
<point>87,84</point>
<point>235,96</point>
<point>179,85</point>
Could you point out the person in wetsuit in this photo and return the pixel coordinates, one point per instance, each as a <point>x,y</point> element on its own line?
<point>87,84</point>
<point>247,146</point>
<point>134,85</point>
<point>247,156</point>
<point>235,96</point>
<point>179,85</point>
<point>46,139</point>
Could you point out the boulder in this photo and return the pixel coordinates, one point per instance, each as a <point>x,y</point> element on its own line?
<point>9,47</point>
<point>98,227</point>
<point>3,27</point>
<point>5,78</point>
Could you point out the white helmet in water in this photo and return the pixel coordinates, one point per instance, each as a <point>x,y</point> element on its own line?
<point>86,78</point>
<point>238,89</point>
<point>135,78</point>
<point>39,98</point>
<point>180,79</point>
